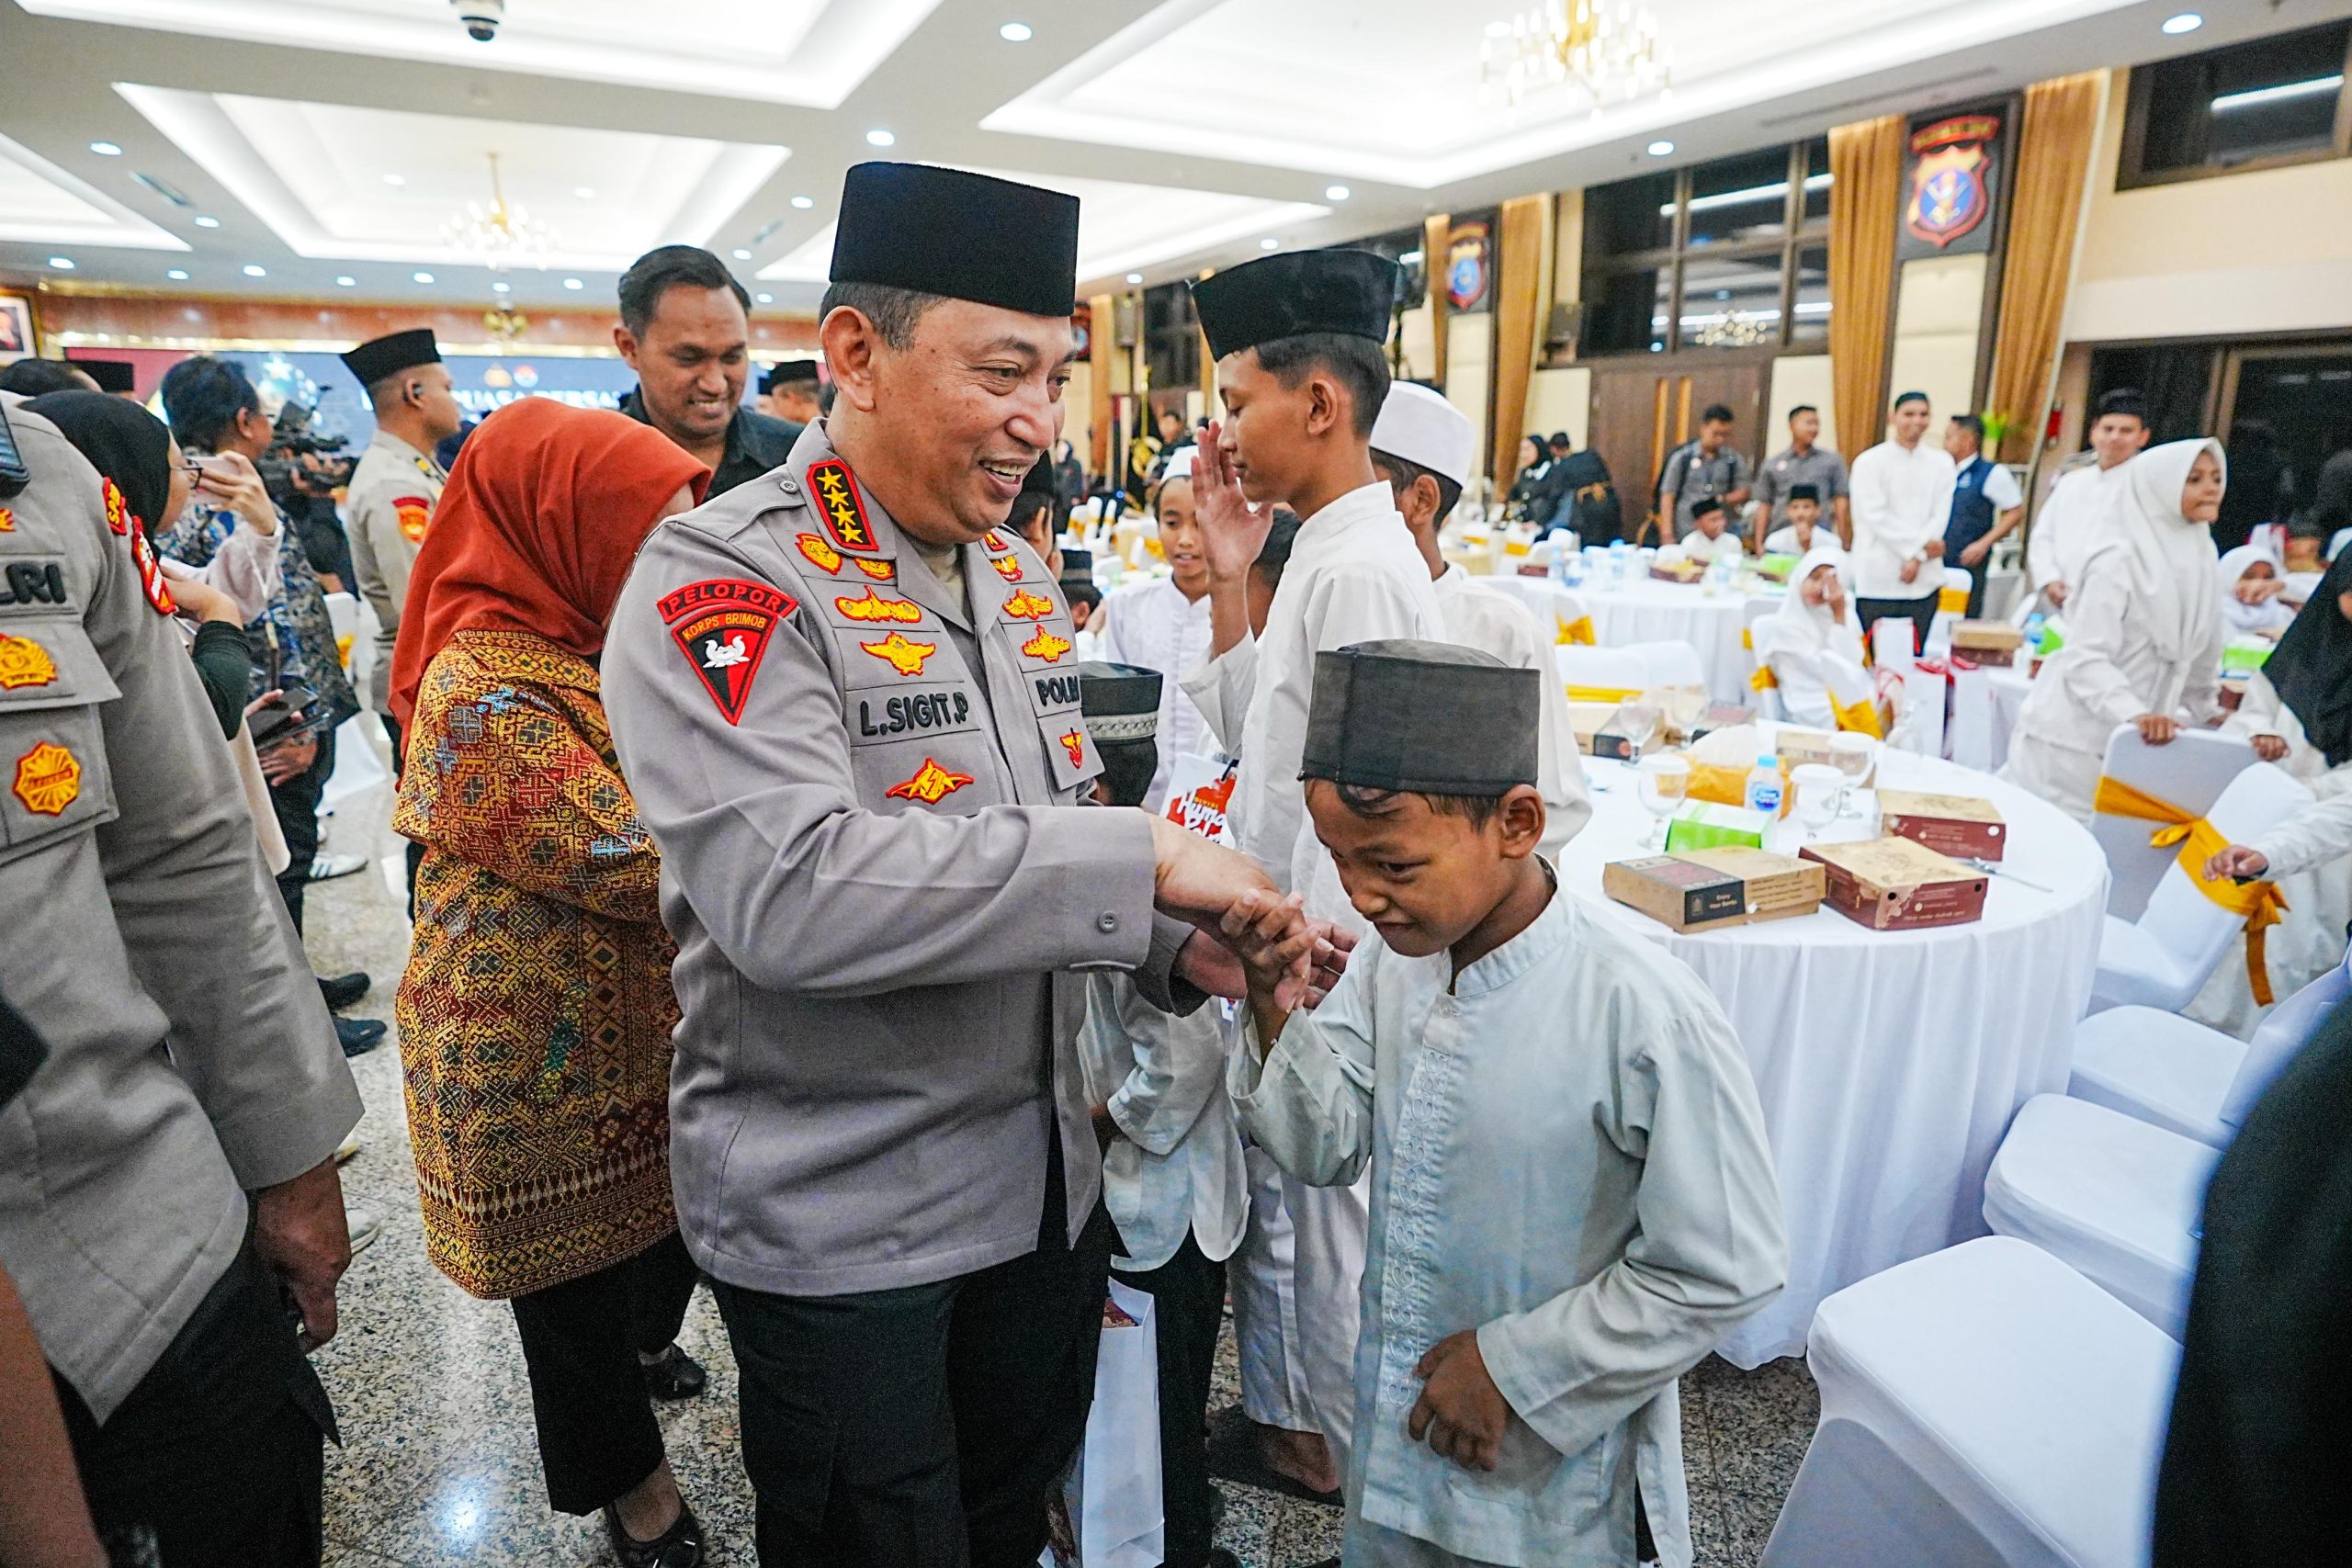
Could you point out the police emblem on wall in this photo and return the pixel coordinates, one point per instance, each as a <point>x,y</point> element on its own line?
<point>1951,191</point>
<point>1465,267</point>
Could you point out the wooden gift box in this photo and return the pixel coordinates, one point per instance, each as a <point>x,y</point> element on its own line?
<point>1894,884</point>
<point>1963,825</point>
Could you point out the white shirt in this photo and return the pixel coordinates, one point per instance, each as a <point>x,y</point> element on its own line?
<point>1569,1157</point>
<point>2001,489</point>
<point>1354,576</point>
<point>1493,622</point>
<point>1784,541</point>
<point>1900,498</point>
<point>1179,1168</point>
<point>2062,528</point>
<point>2318,833</point>
<point>1698,547</point>
<point>1152,624</point>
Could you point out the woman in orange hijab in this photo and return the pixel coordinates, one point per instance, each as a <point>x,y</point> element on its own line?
<point>535,1013</point>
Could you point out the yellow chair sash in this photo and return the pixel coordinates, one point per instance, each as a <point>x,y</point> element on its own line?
<point>1952,601</point>
<point>1602,693</point>
<point>1579,632</point>
<point>1763,679</point>
<point>2259,903</point>
<point>1861,715</point>
<point>1747,638</point>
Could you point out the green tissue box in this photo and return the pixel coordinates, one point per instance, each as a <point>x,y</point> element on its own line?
<point>1704,825</point>
<point>2245,657</point>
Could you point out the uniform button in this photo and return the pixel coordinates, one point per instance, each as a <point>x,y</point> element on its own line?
<point>789,486</point>
<point>1107,922</point>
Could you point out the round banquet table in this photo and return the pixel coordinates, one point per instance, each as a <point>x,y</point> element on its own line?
<point>1645,610</point>
<point>1889,1063</point>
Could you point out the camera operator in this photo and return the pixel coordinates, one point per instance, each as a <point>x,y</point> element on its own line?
<point>214,410</point>
<point>304,470</point>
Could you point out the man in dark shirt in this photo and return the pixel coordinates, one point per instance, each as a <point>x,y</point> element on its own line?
<point>685,329</point>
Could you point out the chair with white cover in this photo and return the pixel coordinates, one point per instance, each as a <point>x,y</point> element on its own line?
<point>1668,663</point>
<point>2191,772</point>
<point>2164,958</point>
<point>1951,604</point>
<point>2113,1198</point>
<point>1756,634</point>
<point>1981,1408</point>
<point>2171,1072</point>
<point>1600,670</point>
<point>1567,610</point>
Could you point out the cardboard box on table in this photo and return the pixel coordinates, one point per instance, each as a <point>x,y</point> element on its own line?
<point>1893,884</point>
<point>1963,826</point>
<point>1987,642</point>
<point>1600,733</point>
<point>1703,889</point>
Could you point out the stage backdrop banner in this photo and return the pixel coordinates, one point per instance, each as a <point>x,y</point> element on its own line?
<point>483,383</point>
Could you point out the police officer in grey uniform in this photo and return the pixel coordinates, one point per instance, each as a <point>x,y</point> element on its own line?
<point>847,703</point>
<point>169,1208</point>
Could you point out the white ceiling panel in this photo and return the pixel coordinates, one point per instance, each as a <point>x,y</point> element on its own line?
<point>349,183</point>
<point>786,52</point>
<point>41,203</point>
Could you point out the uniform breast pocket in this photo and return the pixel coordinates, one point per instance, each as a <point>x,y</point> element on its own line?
<point>1070,757</point>
<point>53,778</point>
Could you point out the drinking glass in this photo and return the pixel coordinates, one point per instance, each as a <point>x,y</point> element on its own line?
<point>1855,757</point>
<point>1821,791</point>
<point>1640,717</point>
<point>1665,782</point>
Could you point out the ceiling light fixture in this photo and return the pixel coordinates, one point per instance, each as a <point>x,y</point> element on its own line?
<point>63,263</point>
<point>877,136</point>
<point>764,298</point>
<point>1606,55</point>
<point>346,281</point>
<point>501,233</point>
<point>421,277</point>
<point>1337,193</point>
<point>2229,103</point>
<point>1135,277</point>
<point>804,202</point>
<point>2185,22</point>
<point>177,274</point>
<point>1015,32</point>
<point>396,180</point>
<point>1660,149</point>
<point>253,269</point>
<point>1269,243</point>
<point>740,254</point>
<point>202,223</point>
<point>106,149</point>
<point>571,283</point>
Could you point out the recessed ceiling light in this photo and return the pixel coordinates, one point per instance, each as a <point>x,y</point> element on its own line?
<point>346,281</point>
<point>1015,32</point>
<point>1661,148</point>
<point>877,136</point>
<point>178,275</point>
<point>106,149</point>
<point>396,179</point>
<point>740,254</point>
<point>584,193</point>
<point>63,263</point>
<point>422,277</point>
<point>2186,22</point>
<point>1135,277</point>
<point>804,202</point>
<point>501,287</point>
<point>1337,193</point>
<point>255,270</point>
<point>207,222</point>
<point>1269,243</point>
<point>571,283</point>
<point>764,298</point>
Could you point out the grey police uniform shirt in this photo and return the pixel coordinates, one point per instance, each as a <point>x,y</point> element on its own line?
<point>880,882</point>
<point>1820,468</point>
<point>191,1058</point>
<point>1690,476</point>
<point>393,492</point>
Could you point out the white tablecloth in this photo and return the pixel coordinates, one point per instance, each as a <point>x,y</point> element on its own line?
<point>1889,1063</point>
<point>1645,610</point>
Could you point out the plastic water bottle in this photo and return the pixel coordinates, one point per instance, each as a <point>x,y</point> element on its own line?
<point>2033,632</point>
<point>1764,785</point>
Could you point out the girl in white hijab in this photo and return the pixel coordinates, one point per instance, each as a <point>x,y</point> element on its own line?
<point>2253,602</point>
<point>2144,629</point>
<point>1812,643</point>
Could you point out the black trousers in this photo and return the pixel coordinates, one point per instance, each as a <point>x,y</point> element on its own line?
<point>399,761</point>
<point>580,1341</point>
<point>925,1426</point>
<point>1921,613</point>
<point>1188,1306</point>
<point>217,1457</point>
<point>296,804</point>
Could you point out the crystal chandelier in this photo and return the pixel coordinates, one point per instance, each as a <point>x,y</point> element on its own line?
<point>501,233</point>
<point>1608,53</point>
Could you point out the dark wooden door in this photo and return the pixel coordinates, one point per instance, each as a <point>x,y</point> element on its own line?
<point>1643,410</point>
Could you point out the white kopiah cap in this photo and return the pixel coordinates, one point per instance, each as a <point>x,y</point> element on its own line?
<point>1421,427</point>
<point>1180,463</point>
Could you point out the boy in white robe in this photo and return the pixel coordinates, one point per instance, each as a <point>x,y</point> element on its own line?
<point>1298,342</point>
<point>1799,536</point>
<point>1573,1200</point>
<point>1710,534</point>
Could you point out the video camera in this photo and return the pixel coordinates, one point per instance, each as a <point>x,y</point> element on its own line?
<point>303,462</point>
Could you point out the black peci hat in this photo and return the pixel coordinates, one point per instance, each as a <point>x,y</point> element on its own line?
<point>1346,291</point>
<point>1428,717</point>
<point>1120,701</point>
<point>963,235</point>
<point>790,373</point>
<point>111,375</point>
<point>388,355</point>
<point>1806,492</point>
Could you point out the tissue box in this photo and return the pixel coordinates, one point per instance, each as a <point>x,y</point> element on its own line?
<point>2244,657</point>
<point>1960,825</point>
<point>1726,785</point>
<point>1677,891</point>
<point>1775,886</point>
<point>1798,746</point>
<point>1706,825</point>
<point>1987,642</point>
<point>1894,884</point>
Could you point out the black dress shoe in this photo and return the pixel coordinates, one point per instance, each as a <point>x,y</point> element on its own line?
<point>674,1374</point>
<point>358,1035</point>
<point>343,989</point>
<point>680,1546</point>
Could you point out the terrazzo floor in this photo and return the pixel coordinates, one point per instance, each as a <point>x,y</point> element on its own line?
<point>438,1466</point>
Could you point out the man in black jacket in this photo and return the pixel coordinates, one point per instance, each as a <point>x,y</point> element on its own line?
<point>685,329</point>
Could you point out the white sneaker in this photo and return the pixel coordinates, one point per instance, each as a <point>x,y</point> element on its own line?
<point>349,1147</point>
<point>364,1222</point>
<point>325,868</point>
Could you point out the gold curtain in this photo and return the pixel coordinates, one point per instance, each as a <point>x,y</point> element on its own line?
<point>2061,124</point>
<point>1102,348</point>
<point>1866,190</point>
<point>1520,310</point>
<point>1437,233</point>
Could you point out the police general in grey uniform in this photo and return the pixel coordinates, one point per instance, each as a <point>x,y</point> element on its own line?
<point>847,703</point>
<point>168,1199</point>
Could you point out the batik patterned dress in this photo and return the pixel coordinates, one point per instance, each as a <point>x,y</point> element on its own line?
<point>536,1014</point>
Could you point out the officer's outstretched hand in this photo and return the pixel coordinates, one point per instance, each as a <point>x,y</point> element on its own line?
<point>301,1236</point>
